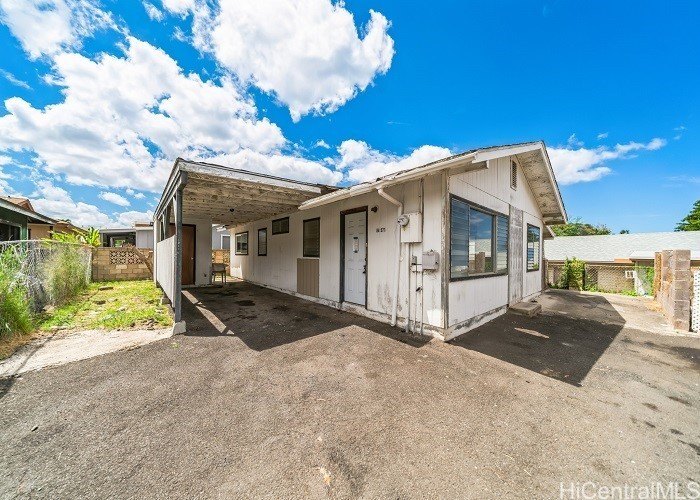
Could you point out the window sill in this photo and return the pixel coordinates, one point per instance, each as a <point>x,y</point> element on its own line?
<point>479,276</point>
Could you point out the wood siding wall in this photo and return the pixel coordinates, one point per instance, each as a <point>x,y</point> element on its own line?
<point>307,277</point>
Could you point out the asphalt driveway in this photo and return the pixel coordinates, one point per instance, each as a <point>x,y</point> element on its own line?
<point>271,396</point>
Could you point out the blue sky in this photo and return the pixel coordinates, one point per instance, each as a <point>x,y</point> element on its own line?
<point>100,97</point>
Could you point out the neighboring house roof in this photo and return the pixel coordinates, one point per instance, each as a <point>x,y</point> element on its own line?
<point>28,212</point>
<point>532,157</point>
<point>19,201</point>
<point>611,247</point>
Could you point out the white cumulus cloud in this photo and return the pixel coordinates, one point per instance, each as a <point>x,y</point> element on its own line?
<point>307,53</point>
<point>57,203</point>
<point>154,13</point>
<point>574,164</point>
<point>115,198</point>
<point>362,163</point>
<point>47,27</point>
<point>124,119</point>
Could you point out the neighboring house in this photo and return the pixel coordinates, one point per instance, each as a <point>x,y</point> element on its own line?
<point>140,236</point>
<point>632,248</point>
<point>618,262</point>
<point>440,249</point>
<point>19,220</point>
<point>220,237</point>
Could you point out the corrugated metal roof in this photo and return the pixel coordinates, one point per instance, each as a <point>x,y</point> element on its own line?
<point>607,248</point>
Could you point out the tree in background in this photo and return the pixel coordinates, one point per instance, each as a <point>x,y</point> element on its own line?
<point>89,237</point>
<point>691,222</point>
<point>578,228</point>
<point>624,231</point>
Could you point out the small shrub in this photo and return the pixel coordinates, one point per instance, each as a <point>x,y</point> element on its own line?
<point>65,273</point>
<point>15,312</point>
<point>572,274</point>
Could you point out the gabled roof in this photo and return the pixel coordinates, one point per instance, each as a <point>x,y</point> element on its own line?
<point>532,157</point>
<point>233,196</point>
<point>19,201</point>
<point>28,212</point>
<point>609,247</point>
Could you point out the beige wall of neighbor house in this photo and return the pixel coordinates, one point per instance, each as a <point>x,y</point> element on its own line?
<point>39,231</point>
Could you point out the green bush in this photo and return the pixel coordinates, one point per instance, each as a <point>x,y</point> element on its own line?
<point>65,273</point>
<point>572,274</point>
<point>15,312</point>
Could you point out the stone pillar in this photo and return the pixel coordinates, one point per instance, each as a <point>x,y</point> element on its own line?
<point>675,287</point>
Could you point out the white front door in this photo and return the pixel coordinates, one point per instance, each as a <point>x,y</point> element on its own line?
<point>355,263</point>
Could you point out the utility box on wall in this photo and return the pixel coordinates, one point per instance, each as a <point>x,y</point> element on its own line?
<point>430,260</point>
<point>411,227</point>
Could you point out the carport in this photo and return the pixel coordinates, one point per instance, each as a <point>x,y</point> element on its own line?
<point>200,194</point>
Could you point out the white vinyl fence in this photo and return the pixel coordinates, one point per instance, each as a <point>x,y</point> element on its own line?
<point>695,303</point>
<point>165,266</point>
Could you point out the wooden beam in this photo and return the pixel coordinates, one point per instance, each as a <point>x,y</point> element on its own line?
<point>243,176</point>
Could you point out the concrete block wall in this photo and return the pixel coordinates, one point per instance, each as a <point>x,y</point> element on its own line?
<point>675,287</point>
<point>120,264</point>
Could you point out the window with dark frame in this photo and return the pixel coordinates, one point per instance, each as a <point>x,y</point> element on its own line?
<point>478,241</point>
<point>533,248</point>
<point>280,226</point>
<point>312,238</point>
<point>242,243</point>
<point>262,241</point>
<point>513,175</point>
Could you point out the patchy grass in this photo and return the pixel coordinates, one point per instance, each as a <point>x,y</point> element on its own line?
<point>127,305</point>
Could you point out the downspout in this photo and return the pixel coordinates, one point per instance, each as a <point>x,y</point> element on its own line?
<point>397,270</point>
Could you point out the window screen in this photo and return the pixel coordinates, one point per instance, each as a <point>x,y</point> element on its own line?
<point>478,241</point>
<point>459,231</point>
<point>501,243</point>
<point>513,175</point>
<point>533,248</point>
<point>242,243</point>
<point>280,226</point>
<point>312,238</point>
<point>262,241</point>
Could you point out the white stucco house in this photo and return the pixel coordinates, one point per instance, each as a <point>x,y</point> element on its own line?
<point>437,249</point>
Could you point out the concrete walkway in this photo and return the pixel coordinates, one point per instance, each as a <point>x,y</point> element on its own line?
<point>61,348</point>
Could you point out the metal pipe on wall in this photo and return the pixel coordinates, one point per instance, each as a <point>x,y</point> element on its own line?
<point>397,270</point>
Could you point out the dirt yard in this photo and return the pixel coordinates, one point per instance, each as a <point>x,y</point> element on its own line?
<point>271,396</point>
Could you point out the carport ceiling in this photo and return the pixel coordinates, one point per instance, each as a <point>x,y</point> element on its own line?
<point>232,197</point>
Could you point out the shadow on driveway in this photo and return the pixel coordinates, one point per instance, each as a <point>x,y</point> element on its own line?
<point>564,342</point>
<point>264,318</point>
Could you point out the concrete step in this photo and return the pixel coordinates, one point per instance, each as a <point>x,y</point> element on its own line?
<point>526,308</point>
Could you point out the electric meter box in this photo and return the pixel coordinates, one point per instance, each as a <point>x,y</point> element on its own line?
<point>413,231</point>
<point>430,260</point>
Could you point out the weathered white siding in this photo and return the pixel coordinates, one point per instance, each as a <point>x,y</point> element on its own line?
<point>475,301</point>
<point>279,268</point>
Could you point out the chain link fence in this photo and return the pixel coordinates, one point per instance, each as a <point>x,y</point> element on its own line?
<point>611,278</point>
<point>50,271</point>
